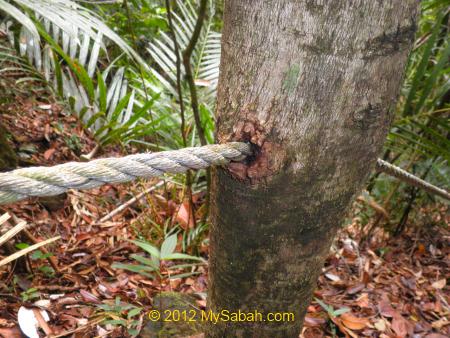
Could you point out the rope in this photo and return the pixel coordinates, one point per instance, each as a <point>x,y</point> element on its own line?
<point>406,177</point>
<point>48,181</point>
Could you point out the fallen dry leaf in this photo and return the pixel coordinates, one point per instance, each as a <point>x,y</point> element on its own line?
<point>10,332</point>
<point>381,324</point>
<point>355,288</point>
<point>332,277</point>
<point>435,335</point>
<point>363,300</point>
<point>185,216</point>
<point>311,321</point>
<point>385,308</point>
<point>440,323</point>
<point>354,323</point>
<point>439,284</point>
<point>49,153</point>
<point>401,326</point>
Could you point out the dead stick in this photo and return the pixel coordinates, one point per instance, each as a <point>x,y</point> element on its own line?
<point>129,202</point>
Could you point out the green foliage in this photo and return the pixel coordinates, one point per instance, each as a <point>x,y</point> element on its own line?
<point>70,57</point>
<point>118,313</point>
<point>419,138</point>
<point>66,56</point>
<point>332,313</point>
<point>30,294</point>
<point>148,18</point>
<point>152,266</point>
<point>161,78</point>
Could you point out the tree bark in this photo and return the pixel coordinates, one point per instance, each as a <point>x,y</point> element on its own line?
<point>8,158</point>
<point>312,84</point>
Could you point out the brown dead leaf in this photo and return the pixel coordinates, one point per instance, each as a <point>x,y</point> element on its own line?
<point>439,284</point>
<point>311,321</point>
<point>421,248</point>
<point>312,332</point>
<point>343,328</point>
<point>440,323</point>
<point>385,308</point>
<point>355,288</point>
<point>401,326</point>
<point>49,153</point>
<point>89,297</point>
<point>354,323</point>
<point>185,216</point>
<point>363,300</point>
<point>381,324</point>
<point>11,332</point>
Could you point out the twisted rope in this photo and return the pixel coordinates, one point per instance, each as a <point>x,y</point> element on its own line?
<point>48,181</point>
<point>406,177</point>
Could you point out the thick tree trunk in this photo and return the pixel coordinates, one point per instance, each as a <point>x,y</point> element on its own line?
<point>313,84</point>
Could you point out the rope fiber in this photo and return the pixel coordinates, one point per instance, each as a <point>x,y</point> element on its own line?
<point>48,181</point>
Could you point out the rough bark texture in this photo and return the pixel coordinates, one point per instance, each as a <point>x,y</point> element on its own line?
<point>313,84</point>
<point>8,158</point>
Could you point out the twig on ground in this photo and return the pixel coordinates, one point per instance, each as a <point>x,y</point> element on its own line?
<point>129,202</point>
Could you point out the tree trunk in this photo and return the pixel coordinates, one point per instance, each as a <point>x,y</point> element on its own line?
<point>313,85</point>
<point>8,158</point>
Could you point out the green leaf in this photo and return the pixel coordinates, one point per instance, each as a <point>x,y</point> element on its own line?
<point>115,322</point>
<point>153,251</point>
<point>421,68</point>
<point>101,90</point>
<point>134,268</point>
<point>94,118</point>
<point>169,246</point>
<point>134,312</point>
<point>22,18</point>
<point>177,255</point>
<point>431,81</point>
<point>340,311</point>
<point>326,307</point>
<point>78,69</point>
<point>145,261</point>
<point>184,266</point>
<point>22,246</point>
<point>183,275</point>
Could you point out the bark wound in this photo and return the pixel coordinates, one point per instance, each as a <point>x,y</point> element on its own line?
<point>365,118</point>
<point>262,164</point>
<point>390,43</point>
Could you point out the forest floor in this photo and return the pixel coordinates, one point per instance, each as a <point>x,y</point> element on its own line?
<point>381,287</point>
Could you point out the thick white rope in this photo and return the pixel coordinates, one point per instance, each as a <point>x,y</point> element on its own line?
<point>48,181</point>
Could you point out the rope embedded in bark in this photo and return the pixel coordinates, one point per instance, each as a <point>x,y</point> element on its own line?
<point>48,181</point>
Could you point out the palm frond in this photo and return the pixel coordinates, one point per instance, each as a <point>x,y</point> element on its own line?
<point>206,56</point>
<point>73,34</point>
<point>67,54</point>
